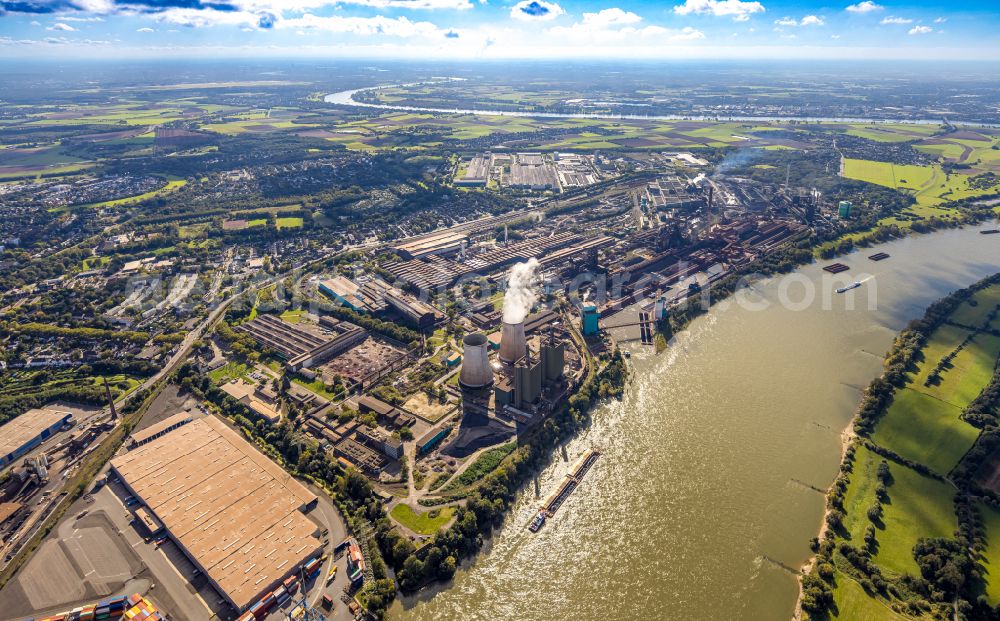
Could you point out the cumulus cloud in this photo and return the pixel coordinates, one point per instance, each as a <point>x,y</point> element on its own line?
<point>61,26</point>
<point>808,20</point>
<point>740,10</point>
<point>887,21</point>
<point>611,17</point>
<point>536,10</point>
<point>363,26</point>
<point>145,30</point>
<point>864,7</point>
<point>940,20</point>
<point>616,26</point>
<point>920,30</point>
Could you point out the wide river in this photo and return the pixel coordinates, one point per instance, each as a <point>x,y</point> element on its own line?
<point>704,488</point>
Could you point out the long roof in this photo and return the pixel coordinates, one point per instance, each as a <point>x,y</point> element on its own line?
<point>24,428</point>
<point>234,510</point>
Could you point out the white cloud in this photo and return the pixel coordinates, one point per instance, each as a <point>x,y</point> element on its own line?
<point>36,23</point>
<point>835,36</point>
<point>61,27</point>
<point>740,10</point>
<point>920,30</point>
<point>808,20</point>
<point>611,17</point>
<point>69,18</point>
<point>201,18</point>
<point>364,26</point>
<point>896,21</point>
<point>940,20</point>
<point>145,30</point>
<point>864,7</point>
<point>298,6</point>
<point>535,10</point>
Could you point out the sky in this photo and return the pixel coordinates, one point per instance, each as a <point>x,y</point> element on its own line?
<point>498,29</point>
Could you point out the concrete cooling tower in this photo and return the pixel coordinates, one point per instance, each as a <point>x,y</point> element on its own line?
<point>513,345</point>
<point>476,371</point>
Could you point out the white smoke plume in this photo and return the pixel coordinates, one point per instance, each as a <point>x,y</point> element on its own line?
<point>522,291</point>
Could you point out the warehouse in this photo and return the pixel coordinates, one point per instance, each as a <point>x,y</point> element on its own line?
<point>27,431</point>
<point>236,514</point>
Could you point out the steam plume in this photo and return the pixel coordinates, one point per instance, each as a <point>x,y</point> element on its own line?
<point>522,293</point>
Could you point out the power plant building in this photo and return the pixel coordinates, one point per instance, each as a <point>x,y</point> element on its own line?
<point>27,431</point>
<point>232,511</point>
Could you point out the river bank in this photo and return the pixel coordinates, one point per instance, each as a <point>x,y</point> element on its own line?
<point>346,98</point>
<point>704,458</point>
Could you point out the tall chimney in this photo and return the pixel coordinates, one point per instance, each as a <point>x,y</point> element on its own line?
<point>476,371</point>
<point>513,344</point>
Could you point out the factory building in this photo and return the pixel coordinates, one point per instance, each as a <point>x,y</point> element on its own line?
<point>446,242</point>
<point>156,430</point>
<point>233,512</point>
<point>844,209</point>
<point>27,431</point>
<point>302,345</point>
<point>420,314</point>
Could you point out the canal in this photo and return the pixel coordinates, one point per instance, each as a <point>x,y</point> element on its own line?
<point>706,486</point>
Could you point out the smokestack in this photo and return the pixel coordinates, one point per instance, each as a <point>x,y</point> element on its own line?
<point>513,344</point>
<point>476,371</point>
<point>111,401</point>
<point>711,191</point>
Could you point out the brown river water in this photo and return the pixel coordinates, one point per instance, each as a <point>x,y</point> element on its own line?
<point>705,490</point>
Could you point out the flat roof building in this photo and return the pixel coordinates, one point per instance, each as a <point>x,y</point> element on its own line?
<point>156,430</point>
<point>28,430</point>
<point>236,514</point>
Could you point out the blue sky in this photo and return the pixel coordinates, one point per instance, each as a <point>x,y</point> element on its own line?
<point>470,29</point>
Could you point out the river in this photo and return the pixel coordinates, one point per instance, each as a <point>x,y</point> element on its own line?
<point>704,488</point>
<point>346,98</point>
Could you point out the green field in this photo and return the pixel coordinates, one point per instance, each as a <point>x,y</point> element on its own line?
<point>925,429</point>
<point>425,523</point>
<point>289,223</point>
<point>229,372</point>
<point>922,425</point>
<point>853,604</point>
<point>171,186</point>
<point>931,185</point>
<point>919,507</point>
<point>991,556</point>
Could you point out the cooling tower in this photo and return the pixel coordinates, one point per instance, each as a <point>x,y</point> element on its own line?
<point>513,345</point>
<point>476,371</point>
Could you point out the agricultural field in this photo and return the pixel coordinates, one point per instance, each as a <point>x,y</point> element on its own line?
<point>922,425</point>
<point>990,558</point>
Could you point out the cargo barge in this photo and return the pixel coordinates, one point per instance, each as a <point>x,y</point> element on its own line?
<point>570,483</point>
<point>836,268</point>
<point>879,256</point>
<point>989,231</point>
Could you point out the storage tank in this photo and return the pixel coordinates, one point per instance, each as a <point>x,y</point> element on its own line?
<point>513,345</point>
<point>476,371</point>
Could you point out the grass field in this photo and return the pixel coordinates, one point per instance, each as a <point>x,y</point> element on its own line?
<point>426,523</point>
<point>991,556</point>
<point>229,372</point>
<point>926,430</point>
<point>853,604</point>
<point>289,223</point>
<point>919,507</point>
<point>974,315</point>
<point>930,184</point>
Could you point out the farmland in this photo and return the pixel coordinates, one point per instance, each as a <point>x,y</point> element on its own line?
<point>901,484</point>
